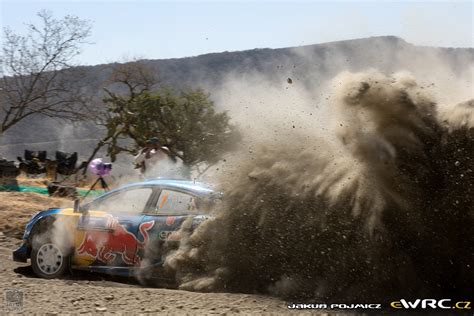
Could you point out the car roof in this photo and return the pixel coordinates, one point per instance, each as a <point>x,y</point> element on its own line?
<point>197,188</point>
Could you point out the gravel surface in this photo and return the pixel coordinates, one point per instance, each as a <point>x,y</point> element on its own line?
<point>84,293</point>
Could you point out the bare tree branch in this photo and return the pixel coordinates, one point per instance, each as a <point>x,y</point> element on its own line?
<point>38,74</point>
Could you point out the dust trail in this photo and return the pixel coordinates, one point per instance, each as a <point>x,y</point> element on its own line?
<point>385,211</point>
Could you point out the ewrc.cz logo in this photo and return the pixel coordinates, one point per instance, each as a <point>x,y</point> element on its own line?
<point>430,303</point>
<point>333,306</point>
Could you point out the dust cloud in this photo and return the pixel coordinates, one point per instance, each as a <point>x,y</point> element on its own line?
<point>362,193</point>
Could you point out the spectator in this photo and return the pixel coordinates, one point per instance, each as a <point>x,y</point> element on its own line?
<point>151,154</point>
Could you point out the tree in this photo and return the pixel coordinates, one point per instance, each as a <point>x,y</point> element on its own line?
<point>37,71</point>
<point>186,122</point>
<point>130,79</point>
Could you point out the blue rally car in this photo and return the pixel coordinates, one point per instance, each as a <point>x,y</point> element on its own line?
<point>125,231</point>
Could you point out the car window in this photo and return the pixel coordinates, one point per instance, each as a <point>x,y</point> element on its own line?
<point>129,201</point>
<point>175,202</point>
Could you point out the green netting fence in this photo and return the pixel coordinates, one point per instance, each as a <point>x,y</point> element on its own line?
<point>24,188</point>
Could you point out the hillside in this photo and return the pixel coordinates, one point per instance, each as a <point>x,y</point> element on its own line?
<point>308,65</point>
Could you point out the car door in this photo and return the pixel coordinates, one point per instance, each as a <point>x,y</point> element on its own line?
<point>168,212</point>
<point>110,232</point>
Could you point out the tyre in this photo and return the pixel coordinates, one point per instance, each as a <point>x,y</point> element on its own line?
<point>49,260</point>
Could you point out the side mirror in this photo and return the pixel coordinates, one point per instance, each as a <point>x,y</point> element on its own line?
<point>76,205</point>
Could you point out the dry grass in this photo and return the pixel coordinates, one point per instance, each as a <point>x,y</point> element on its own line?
<point>16,208</point>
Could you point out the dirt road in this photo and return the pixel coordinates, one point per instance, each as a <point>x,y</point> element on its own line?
<point>82,293</point>
<point>85,293</point>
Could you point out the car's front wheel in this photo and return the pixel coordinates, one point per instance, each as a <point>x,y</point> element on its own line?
<point>49,261</point>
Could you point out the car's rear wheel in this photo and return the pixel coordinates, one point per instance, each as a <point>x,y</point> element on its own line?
<point>49,260</point>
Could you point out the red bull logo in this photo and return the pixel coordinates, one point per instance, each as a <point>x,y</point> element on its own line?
<point>170,220</point>
<point>106,245</point>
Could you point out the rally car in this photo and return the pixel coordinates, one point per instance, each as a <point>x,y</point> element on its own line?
<point>125,231</point>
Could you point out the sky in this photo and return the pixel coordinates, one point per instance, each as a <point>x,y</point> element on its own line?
<point>171,29</point>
